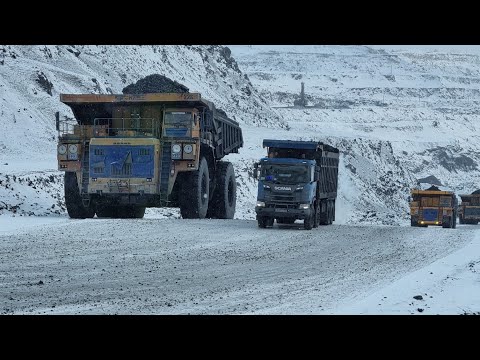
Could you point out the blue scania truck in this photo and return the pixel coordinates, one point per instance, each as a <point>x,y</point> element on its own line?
<point>297,181</point>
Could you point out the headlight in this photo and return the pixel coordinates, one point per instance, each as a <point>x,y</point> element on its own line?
<point>304,206</point>
<point>62,149</point>
<point>176,148</point>
<point>188,149</point>
<point>72,148</point>
<point>260,204</point>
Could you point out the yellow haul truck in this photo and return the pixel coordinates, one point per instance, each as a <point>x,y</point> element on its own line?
<point>433,207</point>
<point>469,208</point>
<point>123,153</point>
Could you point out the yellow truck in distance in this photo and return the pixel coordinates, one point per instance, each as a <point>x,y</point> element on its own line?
<point>433,207</point>
<point>469,208</point>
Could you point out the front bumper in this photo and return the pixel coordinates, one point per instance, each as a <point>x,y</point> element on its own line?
<point>282,212</point>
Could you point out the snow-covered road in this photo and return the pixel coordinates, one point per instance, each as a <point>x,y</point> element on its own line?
<point>175,266</point>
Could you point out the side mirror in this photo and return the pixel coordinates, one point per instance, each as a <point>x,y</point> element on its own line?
<point>255,171</point>
<point>57,120</point>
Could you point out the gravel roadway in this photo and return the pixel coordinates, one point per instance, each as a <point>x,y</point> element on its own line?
<point>176,266</point>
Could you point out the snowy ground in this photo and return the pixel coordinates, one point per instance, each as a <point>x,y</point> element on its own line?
<point>157,266</point>
<point>447,286</point>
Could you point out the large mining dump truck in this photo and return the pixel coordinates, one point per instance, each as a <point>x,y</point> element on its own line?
<point>123,153</point>
<point>469,208</point>
<point>433,207</point>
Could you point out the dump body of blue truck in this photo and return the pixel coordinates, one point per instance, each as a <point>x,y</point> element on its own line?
<point>297,181</point>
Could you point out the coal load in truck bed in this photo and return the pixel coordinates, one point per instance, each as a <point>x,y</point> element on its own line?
<point>155,84</point>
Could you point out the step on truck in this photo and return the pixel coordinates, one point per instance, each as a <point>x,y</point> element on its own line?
<point>469,208</point>
<point>296,181</point>
<point>433,207</point>
<point>123,153</point>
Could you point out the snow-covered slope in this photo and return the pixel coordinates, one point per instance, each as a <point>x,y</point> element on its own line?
<point>32,77</point>
<point>397,113</point>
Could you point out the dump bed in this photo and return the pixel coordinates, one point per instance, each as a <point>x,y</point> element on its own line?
<point>224,133</point>
<point>326,157</point>
<point>471,199</point>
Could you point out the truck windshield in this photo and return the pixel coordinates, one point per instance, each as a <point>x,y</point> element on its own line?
<point>285,174</point>
<point>179,118</point>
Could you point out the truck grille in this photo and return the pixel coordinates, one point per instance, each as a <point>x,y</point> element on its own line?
<point>280,198</point>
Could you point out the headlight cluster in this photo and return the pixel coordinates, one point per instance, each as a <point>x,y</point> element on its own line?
<point>176,149</point>
<point>71,150</point>
<point>188,148</point>
<point>187,151</point>
<point>62,149</point>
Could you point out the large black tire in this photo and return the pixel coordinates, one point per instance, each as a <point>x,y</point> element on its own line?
<point>333,204</point>
<point>73,200</point>
<point>323,212</point>
<point>316,220</point>
<point>195,192</point>
<point>310,220</point>
<point>454,220</point>
<point>447,224</point>
<point>224,199</point>
<point>460,219</point>
<point>262,223</point>
<point>330,211</point>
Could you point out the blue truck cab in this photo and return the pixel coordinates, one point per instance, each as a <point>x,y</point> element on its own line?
<point>296,181</point>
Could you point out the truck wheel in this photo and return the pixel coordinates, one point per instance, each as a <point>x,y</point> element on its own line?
<point>316,221</point>
<point>323,212</point>
<point>330,212</point>
<point>262,222</point>
<point>222,205</point>
<point>447,223</point>
<point>195,192</point>
<point>333,210</point>
<point>460,219</point>
<point>73,200</point>
<point>309,221</point>
<point>454,221</point>
<point>413,222</point>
